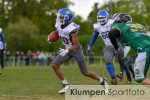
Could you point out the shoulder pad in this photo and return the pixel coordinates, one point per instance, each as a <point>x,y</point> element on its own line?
<point>95,26</point>
<point>72,27</point>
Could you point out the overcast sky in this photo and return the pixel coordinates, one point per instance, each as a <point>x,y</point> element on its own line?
<point>84,7</point>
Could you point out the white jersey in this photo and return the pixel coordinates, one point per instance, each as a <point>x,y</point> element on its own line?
<point>66,33</point>
<point>1,45</point>
<point>103,31</point>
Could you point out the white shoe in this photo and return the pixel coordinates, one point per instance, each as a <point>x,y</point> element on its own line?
<point>66,88</point>
<point>129,82</point>
<point>105,86</point>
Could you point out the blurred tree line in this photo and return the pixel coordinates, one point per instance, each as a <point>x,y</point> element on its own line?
<point>27,23</point>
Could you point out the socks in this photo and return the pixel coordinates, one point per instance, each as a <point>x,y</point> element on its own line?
<point>126,68</point>
<point>110,68</point>
<point>101,79</point>
<point>121,70</point>
<point>131,70</point>
<point>64,81</point>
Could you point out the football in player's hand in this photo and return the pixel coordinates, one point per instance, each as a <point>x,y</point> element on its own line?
<point>53,36</point>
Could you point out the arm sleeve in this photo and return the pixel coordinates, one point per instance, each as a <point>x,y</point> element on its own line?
<point>94,37</point>
<point>113,35</point>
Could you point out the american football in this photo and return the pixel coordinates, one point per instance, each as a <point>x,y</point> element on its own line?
<point>53,36</point>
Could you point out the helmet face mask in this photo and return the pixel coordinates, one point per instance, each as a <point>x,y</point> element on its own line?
<point>102,17</point>
<point>123,18</point>
<point>102,20</point>
<point>61,19</point>
<point>64,16</point>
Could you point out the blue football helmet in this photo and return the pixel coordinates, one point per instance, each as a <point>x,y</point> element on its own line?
<point>64,16</point>
<point>102,17</point>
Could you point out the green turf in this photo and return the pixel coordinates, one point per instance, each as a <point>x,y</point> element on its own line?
<point>40,83</point>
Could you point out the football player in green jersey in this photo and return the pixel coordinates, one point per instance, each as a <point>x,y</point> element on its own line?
<point>125,30</point>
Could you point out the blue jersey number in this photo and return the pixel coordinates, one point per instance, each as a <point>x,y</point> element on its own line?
<point>65,40</point>
<point>105,34</point>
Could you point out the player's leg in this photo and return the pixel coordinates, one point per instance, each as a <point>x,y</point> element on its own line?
<point>142,64</point>
<point>56,67</point>
<point>122,69</point>
<point>121,73</point>
<point>146,82</point>
<point>147,65</point>
<point>126,68</point>
<point>2,58</point>
<point>108,56</point>
<point>132,71</point>
<point>79,57</point>
<point>131,62</point>
<point>122,61</point>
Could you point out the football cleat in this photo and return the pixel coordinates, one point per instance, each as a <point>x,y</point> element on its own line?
<point>114,81</point>
<point>120,77</point>
<point>66,88</point>
<point>129,82</point>
<point>105,85</point>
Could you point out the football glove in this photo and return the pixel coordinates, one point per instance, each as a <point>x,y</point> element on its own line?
<point>88,49</point>
<point>63,52</point>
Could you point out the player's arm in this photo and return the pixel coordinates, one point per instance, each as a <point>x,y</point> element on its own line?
<point>75,43</point>
<point>74,46</point>
<point>93,40</point>
<point>113,35</point>
<point>94,37</point>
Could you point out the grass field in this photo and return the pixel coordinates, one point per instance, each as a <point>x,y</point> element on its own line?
<point>40,83</point>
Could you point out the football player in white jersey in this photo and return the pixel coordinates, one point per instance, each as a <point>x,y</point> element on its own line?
<point>2,49</point>
<point>102,28</point>
<point>68,32</point>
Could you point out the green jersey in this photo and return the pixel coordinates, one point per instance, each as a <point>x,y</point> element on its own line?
<point>134,34</point>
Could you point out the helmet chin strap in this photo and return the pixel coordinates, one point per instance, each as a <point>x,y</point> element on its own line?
<point>103,23</point>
